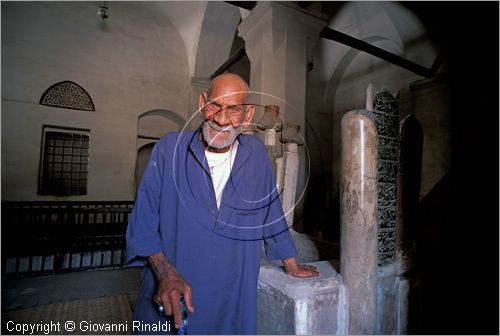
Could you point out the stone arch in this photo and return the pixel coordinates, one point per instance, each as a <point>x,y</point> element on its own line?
<point>170,115</point>
<point>67,94</point>
<point>151,125</point>
<point>154,123</point>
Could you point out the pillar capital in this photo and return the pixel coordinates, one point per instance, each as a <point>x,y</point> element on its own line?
<point>282,16</point>
<point>279,39</point>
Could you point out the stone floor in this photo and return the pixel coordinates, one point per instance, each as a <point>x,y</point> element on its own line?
<point>95,316</point>
<point>40,290</point>
<point>99,296</point>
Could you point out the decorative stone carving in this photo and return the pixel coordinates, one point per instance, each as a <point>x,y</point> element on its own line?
<point>67,94</point>
<point>386,110</point>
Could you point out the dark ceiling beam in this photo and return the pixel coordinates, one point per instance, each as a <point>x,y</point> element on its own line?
<point>355,43</point>
<point>235,57</point>
<point>249,5</point>
<point>437,63</point>
<point>337,36</point>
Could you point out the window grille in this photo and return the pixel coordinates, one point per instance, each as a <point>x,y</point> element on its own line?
<point>65,161</point>
<point>67,94</point>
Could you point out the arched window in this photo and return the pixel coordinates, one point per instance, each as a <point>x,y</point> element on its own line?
<point>67,94</point>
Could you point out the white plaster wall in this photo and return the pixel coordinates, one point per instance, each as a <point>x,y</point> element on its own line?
<point>155,126</point>
<point>132,62</point>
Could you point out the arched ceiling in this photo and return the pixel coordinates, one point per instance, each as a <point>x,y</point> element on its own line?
<point>393,27</point>
<point>207,29</point>
<point>187,17</point>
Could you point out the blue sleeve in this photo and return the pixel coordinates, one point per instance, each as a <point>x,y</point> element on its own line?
<point>278,242</point>
<point>143,237</point>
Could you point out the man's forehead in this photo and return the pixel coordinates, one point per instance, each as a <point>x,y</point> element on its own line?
<point>228,95</point>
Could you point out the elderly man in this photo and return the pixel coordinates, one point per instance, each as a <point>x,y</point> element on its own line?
<point>206,202</point>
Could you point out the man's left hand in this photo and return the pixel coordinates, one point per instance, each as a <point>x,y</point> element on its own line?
<point>293,268</point>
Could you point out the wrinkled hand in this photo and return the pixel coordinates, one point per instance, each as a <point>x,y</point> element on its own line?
<point>293,268</point>
<point>170,288</point>
<point>171,285</point>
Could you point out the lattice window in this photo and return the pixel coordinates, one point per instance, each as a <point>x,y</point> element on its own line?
<point>65,160</point>
<point>67,95</point>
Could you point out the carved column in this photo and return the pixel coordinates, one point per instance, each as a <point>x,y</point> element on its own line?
<point>279,40</point>
<point>358,239</point>
<point>386,110</point>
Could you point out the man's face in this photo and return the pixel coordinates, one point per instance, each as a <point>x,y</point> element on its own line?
<point>224,113</point>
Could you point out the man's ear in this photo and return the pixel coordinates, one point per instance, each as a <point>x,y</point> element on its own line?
<point>248,116</point>
<point>202,100</point>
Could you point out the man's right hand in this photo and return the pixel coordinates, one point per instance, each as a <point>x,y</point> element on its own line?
<point>171,285</point>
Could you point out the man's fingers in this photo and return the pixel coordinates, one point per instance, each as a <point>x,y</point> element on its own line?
<point>311,273</point>
<point>167,307</point>
<point>157,300</point>
<point>305,271</point>
<point>307,274</point>
<point>169,295</point>
<point>176,308</point>
<point>308,271</point>
<point>167,300</point>
<point>188,298</point>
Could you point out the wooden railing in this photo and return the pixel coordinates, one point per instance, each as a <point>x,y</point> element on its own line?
<point>48,237</point>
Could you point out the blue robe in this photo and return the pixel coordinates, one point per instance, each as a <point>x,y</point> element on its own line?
<point>217,251</point>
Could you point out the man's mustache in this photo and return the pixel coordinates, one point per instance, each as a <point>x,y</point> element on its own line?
<point>219,128</point>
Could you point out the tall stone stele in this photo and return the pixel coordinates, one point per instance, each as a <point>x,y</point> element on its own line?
<point>358,239</point>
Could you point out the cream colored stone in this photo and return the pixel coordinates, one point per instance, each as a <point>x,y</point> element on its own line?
<point>359,218</point>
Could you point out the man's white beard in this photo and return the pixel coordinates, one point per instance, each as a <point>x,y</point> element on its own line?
<point>230,131</point>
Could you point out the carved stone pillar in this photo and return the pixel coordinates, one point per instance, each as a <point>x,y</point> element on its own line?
<point>386,110</point>
<point>279,40</point>
<point>358,239</point>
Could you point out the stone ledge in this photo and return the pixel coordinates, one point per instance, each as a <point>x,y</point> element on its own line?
<point>288,305</point>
